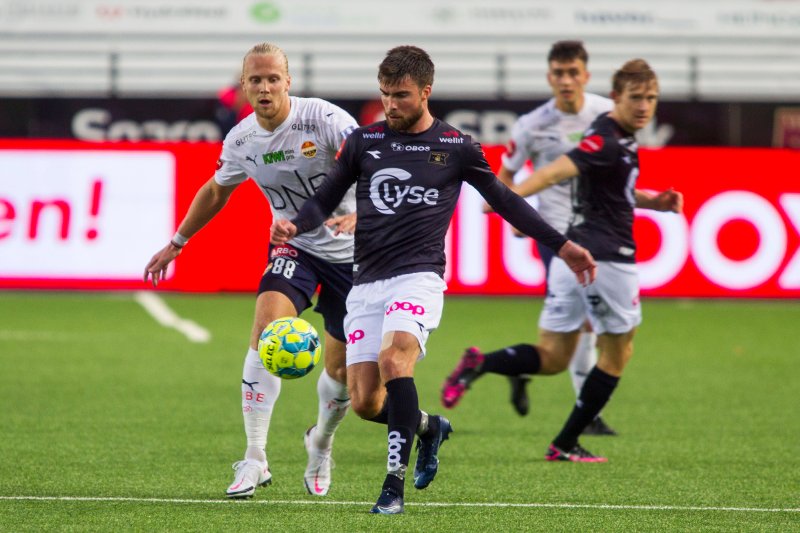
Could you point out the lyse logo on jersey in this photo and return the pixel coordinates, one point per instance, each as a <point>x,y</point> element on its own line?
<point>591,144</point>
<point>357,335</point>
<point>387,196</point>
<point>406,306</point>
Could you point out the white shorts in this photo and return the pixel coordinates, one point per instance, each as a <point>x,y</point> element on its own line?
<point>411,303</point>
<point>611,303</point>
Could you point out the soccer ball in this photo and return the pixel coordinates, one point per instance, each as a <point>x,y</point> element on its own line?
<point>289,347</point>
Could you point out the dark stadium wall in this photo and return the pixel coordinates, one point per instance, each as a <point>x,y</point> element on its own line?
<point>678,123</point>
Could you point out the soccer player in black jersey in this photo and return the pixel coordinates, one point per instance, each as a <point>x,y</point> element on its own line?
<point>408,172</point>
<point>607,165</point>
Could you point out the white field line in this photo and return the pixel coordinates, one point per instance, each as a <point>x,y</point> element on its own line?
<point>44,336</point>
<point>699,508</point>
<point>161,313</point>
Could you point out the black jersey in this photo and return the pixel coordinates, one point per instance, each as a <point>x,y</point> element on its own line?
<point>406,192</point>
<point>604,200</point>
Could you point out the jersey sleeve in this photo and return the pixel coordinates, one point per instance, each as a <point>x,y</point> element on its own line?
<point>341,124</point>
<point>341,177</point>
<point>506,203</point>
<point>594,150</point>
<point>229,168</point>
<point>516,153</point>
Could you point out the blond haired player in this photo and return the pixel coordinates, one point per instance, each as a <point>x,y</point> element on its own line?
<point>287,146</point>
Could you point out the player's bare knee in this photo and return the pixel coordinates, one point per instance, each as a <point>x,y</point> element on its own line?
<point>365,406</point>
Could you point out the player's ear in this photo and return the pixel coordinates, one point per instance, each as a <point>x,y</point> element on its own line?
<point>288,82</point>
<point>426,92</point>
<point>614,96</point>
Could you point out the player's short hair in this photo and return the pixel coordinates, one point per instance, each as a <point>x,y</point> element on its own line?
<point>267,49</point>
<point>407,60</point>
<point>564,51</point>
<point>635,72</point>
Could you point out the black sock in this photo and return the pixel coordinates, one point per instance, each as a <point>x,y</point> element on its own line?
<point>595,393</point>
<point>404,415</point>
<point>513,361</point>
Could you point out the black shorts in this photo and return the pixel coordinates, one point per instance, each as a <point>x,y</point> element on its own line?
<point>297,274</point>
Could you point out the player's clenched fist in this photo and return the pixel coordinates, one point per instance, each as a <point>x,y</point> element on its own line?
<point>281,231</point>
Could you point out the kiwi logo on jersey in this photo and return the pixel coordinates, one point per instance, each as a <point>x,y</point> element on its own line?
<point>309,149</point>
<point>278,156</point>
<point>386,195</point>
<point>574,137</point>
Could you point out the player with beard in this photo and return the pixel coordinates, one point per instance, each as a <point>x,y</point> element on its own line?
<point>408,172</point>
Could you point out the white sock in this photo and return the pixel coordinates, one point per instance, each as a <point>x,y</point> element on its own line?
<point>584,358</point>
<point>333,403</point>
<point>260,390</point>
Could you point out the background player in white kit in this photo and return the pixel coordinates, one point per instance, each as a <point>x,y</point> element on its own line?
<point>287,145</point>
<point>541,136</point>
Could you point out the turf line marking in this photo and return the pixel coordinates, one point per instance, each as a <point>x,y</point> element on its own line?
<point>421,504</point>
<point>161,313</point>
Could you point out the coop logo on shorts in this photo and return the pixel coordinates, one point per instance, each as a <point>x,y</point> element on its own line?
<point>356,336</point>
<point>387,193</point>
<point>406,306</point>
<point>309,149</point>
<point>396,442</point>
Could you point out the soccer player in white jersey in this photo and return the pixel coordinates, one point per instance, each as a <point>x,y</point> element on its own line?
<point>541,136</point>
<point>408,171</point>
<point>287,147</point>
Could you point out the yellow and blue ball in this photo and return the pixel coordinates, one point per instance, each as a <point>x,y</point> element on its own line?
<point>289,347</point>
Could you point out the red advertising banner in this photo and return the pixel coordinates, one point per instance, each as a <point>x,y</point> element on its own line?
<point>84,215</point>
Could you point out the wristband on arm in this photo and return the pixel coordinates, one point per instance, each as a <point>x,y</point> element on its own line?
<point>178,240</point>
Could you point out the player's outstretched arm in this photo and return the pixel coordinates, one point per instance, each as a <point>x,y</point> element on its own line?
<point>669,200</point>
<point>547,176</point>
<point>580,261</point>
<point>282,231</point>
<point>208,201</point>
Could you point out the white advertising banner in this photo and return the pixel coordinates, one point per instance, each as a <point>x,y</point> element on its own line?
<point>83,214</point>
<point>754,18</point>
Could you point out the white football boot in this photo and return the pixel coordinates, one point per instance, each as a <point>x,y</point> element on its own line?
<point>318,472</point>
<point>249,475</point>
